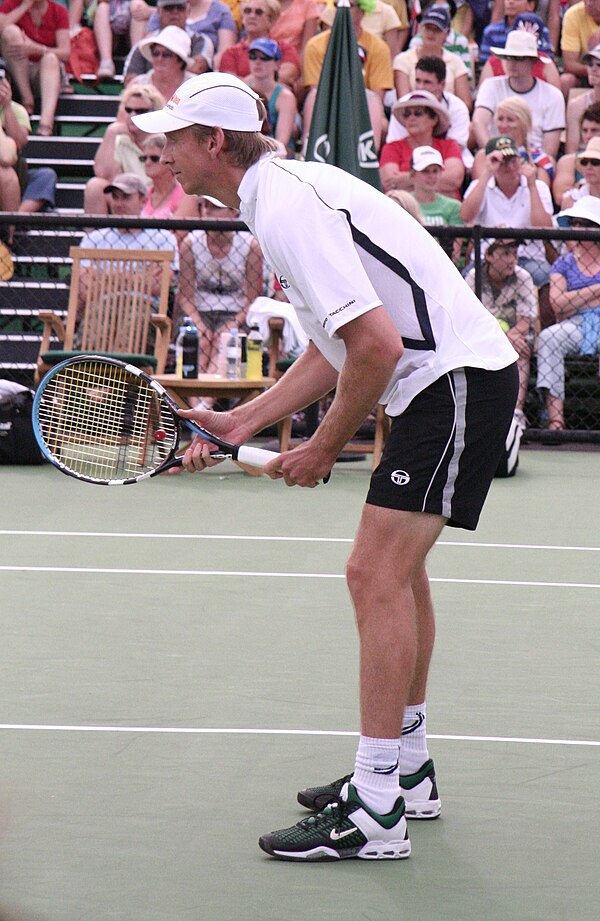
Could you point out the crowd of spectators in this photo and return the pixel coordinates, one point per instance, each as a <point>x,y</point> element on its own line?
<point>483,112</point>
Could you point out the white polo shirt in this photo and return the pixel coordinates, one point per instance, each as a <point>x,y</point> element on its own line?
<point>499,211</point>
<point>546,104</point>
<point>341,248</point>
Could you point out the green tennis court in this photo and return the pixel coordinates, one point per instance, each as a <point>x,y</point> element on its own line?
<point>178,658</point>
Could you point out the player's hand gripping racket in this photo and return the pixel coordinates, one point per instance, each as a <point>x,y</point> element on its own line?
<point>106,422</point>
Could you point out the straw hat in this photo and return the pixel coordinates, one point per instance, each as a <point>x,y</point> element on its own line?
<point>592,151</point>
<point>173,39</point>
<point>427,100</point>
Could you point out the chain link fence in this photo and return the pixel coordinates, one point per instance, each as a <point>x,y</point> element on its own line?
<point>218,271</point>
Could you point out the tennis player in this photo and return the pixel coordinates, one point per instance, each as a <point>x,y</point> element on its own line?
<point>390,320</point>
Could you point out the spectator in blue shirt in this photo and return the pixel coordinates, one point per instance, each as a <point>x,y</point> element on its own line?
<point>495,34</point>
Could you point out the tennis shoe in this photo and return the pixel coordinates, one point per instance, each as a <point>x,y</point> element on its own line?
<point>419,791</point>
<point>345,828</point>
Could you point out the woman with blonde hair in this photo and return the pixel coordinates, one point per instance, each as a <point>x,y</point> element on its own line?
<point>120,148</point>
<point>513,119</point>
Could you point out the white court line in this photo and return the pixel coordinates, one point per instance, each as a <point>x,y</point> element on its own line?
<point>137,535</point>
<point>96,570</point>
<point>182,730</point>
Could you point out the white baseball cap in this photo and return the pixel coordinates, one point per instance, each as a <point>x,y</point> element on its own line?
<point>422,157</point>
<point>215,99</point>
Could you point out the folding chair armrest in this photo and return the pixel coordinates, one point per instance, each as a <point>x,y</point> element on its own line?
<point>52,324</point>
<point>162,323</point>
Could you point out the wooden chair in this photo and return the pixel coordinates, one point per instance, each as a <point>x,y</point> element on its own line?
<point>118,311</point>
<point>382,421</point>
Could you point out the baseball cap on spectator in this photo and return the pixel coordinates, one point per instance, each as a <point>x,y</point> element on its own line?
<point>503,144</point>
<point>423,98</point>
<point>425,156</point>
<point>218,100</point>
<point>489,245</point>
<point>592,55</point>
<point>128,183</point>
<point>268,46</point>
<point>519,44</point>
<point>171,37</point>
<point>531,22</point>
<point>437,16</point>
<point>586,209</point>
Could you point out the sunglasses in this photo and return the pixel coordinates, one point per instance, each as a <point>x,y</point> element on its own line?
<point>249,10</point>
<point>418,111</point>
<point>258,56</point>
<point>131,111</point>
<point>588,161</point>
<point>518,58</point>
<point>176,7</point>
<point>593,63</point>
<point>154,158</point>
<point>582,222</point>
<point>159,53</point>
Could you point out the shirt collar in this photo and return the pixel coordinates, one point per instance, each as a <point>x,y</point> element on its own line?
<point>247,189</point>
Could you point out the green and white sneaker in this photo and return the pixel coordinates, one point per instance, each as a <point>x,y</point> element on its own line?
<point>346,828</point>
<point>419,791</point>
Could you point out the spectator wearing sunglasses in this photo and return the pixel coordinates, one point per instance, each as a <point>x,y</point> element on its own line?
<point>211,18</point>
<point>258,18</point>
<point>169,54</point>
<point>568,171</point>
<point>543,69</point>
<point>575,299</point>
<point>120,148</point>
<point>172,13</point>
<point>588,164</point>
<point>165,198</point>
<point>264,55</point>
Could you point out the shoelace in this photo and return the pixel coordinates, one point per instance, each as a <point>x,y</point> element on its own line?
<point>336,811</point>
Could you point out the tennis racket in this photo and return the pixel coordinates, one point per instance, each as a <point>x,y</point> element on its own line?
<point>104,421</point>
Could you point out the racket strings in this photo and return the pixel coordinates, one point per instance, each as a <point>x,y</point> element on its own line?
<point>105,422</point>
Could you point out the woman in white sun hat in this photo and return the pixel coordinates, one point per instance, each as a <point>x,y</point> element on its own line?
<point>546,103</point>
<point>587,162</point>
<point>169,53</point>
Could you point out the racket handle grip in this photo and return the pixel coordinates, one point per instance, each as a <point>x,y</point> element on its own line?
<point>255,457</point>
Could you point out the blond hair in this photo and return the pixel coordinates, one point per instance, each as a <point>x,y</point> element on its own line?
<point>518,109</point>
<point>153,99</point>
<point>408,202</point>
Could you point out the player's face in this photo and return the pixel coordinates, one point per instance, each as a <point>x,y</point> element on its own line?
<point>188,160</point>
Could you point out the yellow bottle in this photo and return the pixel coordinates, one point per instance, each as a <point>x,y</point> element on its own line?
<point>254,352</point>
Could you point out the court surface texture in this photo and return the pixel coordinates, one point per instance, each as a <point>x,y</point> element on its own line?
<point>179,657</point>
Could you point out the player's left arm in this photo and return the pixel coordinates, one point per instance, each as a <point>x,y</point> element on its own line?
<point>373,349</point>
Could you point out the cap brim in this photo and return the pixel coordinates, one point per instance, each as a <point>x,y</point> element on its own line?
<point>159,122</point>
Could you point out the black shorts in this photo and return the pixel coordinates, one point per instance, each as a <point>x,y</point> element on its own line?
<point>442,452</point>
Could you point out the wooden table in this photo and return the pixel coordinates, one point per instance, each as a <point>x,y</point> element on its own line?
<point>212,385</point>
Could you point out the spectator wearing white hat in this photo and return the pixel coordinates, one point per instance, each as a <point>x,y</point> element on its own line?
<point>577,106</point>
<point>587,162</point>
<point>426,170</point>
<point>172,13</point>
<point>426,121</point>
<point>574,296</point>
<point>169,52</point>
<point>545,102</point>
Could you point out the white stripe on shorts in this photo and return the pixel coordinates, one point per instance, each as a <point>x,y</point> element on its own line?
<point>459,379</point>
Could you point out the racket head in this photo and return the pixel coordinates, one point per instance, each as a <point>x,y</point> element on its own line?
<point>104,421</point>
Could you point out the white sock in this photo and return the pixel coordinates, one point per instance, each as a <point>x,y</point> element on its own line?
<point>413,743</point>
<point>376,773</point>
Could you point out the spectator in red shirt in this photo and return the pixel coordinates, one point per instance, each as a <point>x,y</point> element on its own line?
<point>34,38</point>
<point>258,17</point>
<point>426,120</point>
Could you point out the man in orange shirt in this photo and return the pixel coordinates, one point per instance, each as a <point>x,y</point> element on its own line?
<point>580,32</point>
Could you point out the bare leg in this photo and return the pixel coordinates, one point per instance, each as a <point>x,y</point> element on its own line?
<point>11,45</point>
<point>50,78</point>
<point>94,199</point>
<point>389,588</point>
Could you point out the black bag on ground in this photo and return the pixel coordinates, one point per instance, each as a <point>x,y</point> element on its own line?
<point>17,441</point>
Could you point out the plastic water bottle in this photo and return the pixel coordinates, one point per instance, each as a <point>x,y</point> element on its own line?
<point>233,355</point>
<point>186,351</point>
<point>254,350</point>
